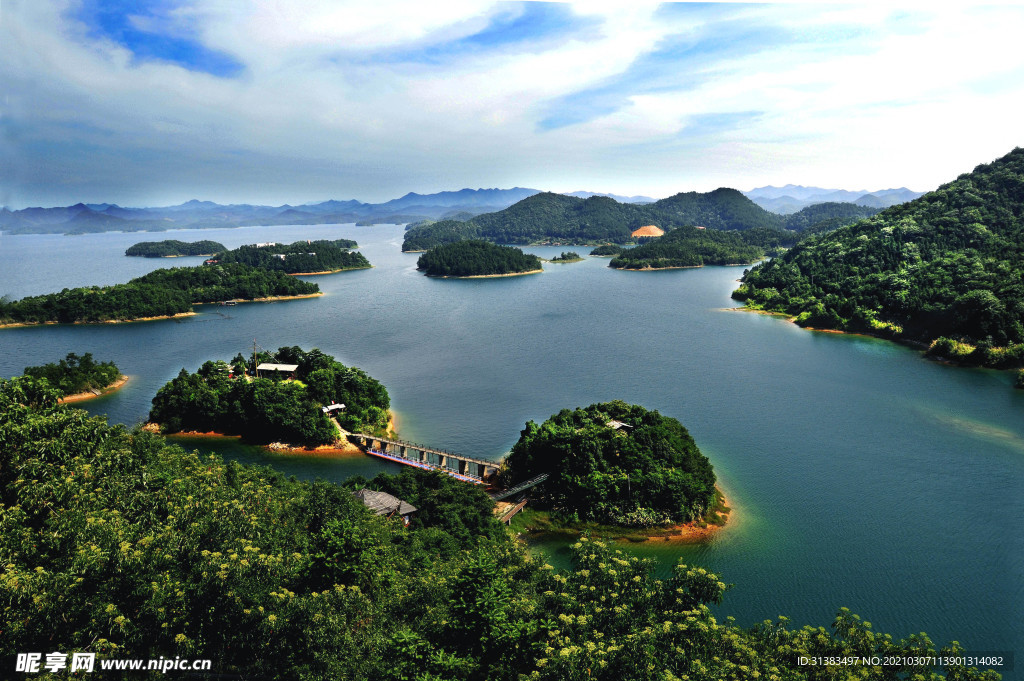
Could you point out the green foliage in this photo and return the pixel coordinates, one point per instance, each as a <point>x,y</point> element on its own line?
<point>647,472</point>
<point>949,264</point>
<point>568,219</point>
<point>75,374</point>
<point>607,249</point>
<point>268,409</point>
<point>160,293</point>
<point>301,256</point>
<point>570,256</point>
<point>475,258</point>
<point>691,247</point>
<point>822,217</point>
<point>173,247</point>
<point>113,542</point>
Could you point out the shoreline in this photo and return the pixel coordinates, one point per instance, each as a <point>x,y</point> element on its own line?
<point>482,276</point>
<point>684,533</point>
<point>315,274</point>
<point>78,397</point>
<point>15,325</point>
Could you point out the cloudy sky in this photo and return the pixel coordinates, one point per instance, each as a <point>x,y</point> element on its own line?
<point>154,102</point>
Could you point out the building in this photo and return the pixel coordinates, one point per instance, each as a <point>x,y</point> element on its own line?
<point>648,230</point>
<point>386,505</point>
<point>288,370</point>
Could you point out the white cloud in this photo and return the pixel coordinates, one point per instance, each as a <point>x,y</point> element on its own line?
<point>323,107</point>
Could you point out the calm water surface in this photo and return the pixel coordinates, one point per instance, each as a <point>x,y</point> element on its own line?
<point>861,475</point>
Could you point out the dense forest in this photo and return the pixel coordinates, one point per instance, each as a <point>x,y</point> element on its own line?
<point>567,219</point>
<point>947,267</point>
<point>615,463</point>
<point>814,218</point>
<point>117,544</point>
<point>75,374</point>
<point>692,247</point>
<point>475,259</point>
<point>160,293</point>
<point>567,256</point>
<point>228,398</point>
<point>607,250</point>
<point>299,257</point>
<point>172,247</point>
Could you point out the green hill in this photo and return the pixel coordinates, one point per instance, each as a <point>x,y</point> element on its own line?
<point>690,247</point>
<point>170,248</point>
<point>548,217</point>
<point>947,267</point>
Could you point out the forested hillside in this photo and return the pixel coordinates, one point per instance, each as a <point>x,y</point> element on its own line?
<point>117,544</point>
<point>75,374</point>
<point>947,266</point>
<point>598,219</point>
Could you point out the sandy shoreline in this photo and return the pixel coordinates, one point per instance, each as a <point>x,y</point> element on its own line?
<point>78,397</point>
<point>483,276</point>
<point>314,274</point>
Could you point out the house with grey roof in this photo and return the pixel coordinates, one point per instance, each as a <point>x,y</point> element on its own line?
<point>386,504</point>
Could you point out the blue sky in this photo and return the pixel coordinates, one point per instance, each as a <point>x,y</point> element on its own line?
<point>154,102</point>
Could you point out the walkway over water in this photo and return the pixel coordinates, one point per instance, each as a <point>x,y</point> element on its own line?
<point>466,468</point>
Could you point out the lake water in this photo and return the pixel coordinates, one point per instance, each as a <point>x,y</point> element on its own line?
<point>861,474</point>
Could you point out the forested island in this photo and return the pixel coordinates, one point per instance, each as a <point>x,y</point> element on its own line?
<point>161,293</point>
<point>117,543</point>
<point>614,463</point>
<point>273,406</point>
<point>301,257</point>
<point>567,256</point>
<point>476,259</point>
<point>945,270</point>
<point>77,375</point>
<point>172,248</point>
<point>695,247</point>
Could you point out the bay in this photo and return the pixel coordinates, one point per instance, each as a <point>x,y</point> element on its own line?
<point>861,474</point>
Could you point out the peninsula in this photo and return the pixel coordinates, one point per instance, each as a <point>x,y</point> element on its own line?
<point>943,270</point>
<point>299,258</point>
<point>476,258</point>
<point>79,378</point>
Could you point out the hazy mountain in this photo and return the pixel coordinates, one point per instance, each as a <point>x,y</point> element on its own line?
<point>196,214</point>
<point>793,197</point>
<point>617,197</point>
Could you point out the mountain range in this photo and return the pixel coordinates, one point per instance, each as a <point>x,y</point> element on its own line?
<point>793,197</point>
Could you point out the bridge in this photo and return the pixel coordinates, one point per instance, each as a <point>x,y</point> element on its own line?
<point>459,466</point>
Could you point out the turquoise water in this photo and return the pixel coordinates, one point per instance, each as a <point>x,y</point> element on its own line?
<point>861,474</point>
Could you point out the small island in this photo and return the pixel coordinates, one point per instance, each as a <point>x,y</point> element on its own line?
<point>615,464</point>
<point>299,258</point>
<point>161,294</point>
<point>607,250</point>
<point>284,398</point>
<point>570,256</point>
<point>172,248</point>
<point>474,258</point>
<point>79,378</point>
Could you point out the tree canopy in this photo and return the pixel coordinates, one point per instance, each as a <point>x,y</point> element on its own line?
<point>117,544</point>
<point>270,408</point>
<point>301,256</point>
<point>160,293</point>
<point>172,247</point>
<point>475,258</point>
<point>75,374</point>
<point>616,463</point>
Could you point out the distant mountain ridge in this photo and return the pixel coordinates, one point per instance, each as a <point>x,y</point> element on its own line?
<point>195,214</point>
<point>793,197</point>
